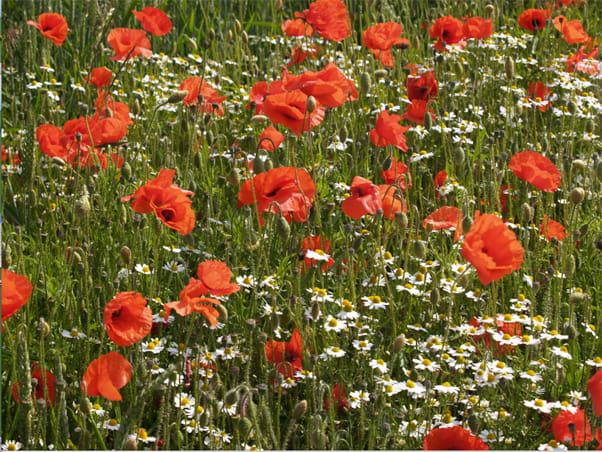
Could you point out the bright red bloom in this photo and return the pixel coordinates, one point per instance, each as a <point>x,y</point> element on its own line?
<point>106,375</point>
<point>260,91</point>
<point>128,42</point>
<point>280,185</point>
<point>594,386</point>
<point>16,290</point>
<point>477,28</point>
<point>286,355</point>
<point>289,109</point>
<point>127,318</point>
<point>338,394</point>
<point>299,55</point>
<point>320,246</point>
<point>212,103</point>
<point>328,18</point>
<point>100,77</point>
<point>417,111</point>
<point>550,228</point>
<point>382,36</point>
<point>391,201</point>
<point>492,248</point>
<point>562,433</point>
<point>453,438</point>
<point>423,87</point>
<point>440,179</point>
<point>329,86</point>
<point>215,276</point>
<point>445,217</point>
<point>448,30</point>
<point>45,385</point>
<point>534,19</point>
<point>536,169</point>
<point>297,27</point>
<point>153,20</point>
<point>539,93</point>
<point>388,131</point>
<point>106,107</point>
<point>365,199</point>
<point>52,26</point>
<point>275,139</point>
<point>167,201</point>
<point>575,62</point>
<point>396,175</point>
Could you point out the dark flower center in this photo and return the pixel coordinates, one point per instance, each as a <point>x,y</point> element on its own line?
<point>168,214</point>
<point>116,314</point>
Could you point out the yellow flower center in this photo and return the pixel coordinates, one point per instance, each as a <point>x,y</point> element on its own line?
<point>374,299</point>
<point>380,362</point>
<point>426,362</point>
<point>151,346</point>
<point>540,403</point>
<point>336,349</point>
<point>410,384</point>
<point>113,422</point>
<point>333,322</point>
<point>506,337</point>
<point>185,401</point>
<point>521,297</point>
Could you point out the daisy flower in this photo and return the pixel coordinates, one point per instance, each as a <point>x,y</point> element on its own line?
<point>356,398</point>
<point>334,351</point>
<point>374,302</point>
<point>144,269</point>
<point>11,445</point>
<point>362,345</point>
<point>347,311</point>
<point>380,365</point>
<point>540,405</point>
<point>174,267</point>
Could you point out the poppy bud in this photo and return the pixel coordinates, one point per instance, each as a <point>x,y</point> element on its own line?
<point>237,25</point>
<point>178,96</point>
<point>58,161</point>
<point>343,134</point>
<point>526,212</point>
<point>231,397</point>
<point>258,119</point>
<point>428,121</point>
<point>234,177</point>
<point>82,206</point>
<point>458,156</point>
<point>577,195</point>
<point>283,229</point>
<point>157,225</point>
<point>419,249</point>
<point>131,443</point>
<point>300,409</point>
<point>279,4</point>
<point>76,257</point>
<point>387,163</point>
<point>401,219</point>
<point>258,164</point>
<point>211,34</point>
<point>577,297</point>
<point>578,165</point>
<point>399,344</point>
<point>435,296</point>
<point>509,67</point>
<point>268,164</point>
<point>365,82</point>
<point>315,311</point>
<point>474,424</point>
<point>191,43</point>
<point>319,440</point>
<point>380,73</point>
<point>229,36</point>
<point>458,68</point>
<point>489,13</point>
<point>589,126</point>
<point>123,214</point>
<point>311,104</point>
<point>223,312</point>
<point>572,106</point>
<point>244,427</point>
<point>244,37</point>
<point>6,255</point>
<point>43,327</point>
<point>135,108</point>
<point>126,171</point>
<point>466,224</point>
<point>570,265</point>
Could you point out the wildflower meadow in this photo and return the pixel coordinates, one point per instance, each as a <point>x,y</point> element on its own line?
<point>296,224</point>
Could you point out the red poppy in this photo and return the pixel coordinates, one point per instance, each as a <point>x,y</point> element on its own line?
<point>320,246</point>
<point>338,394</point>
<point>445,217</point>
<point>423,87</point>
<point>492,248</point>
<point>536,169</point>
<point>365,199</point>
<point>286,355</point>
<point>329,86</point>
<point>510,328</point>
<point>396,175</point>
<point>477,28</point>
<point>289,109</point>
<point>215,276</point>
<point>576,60</point>
<point>391,201</point>
<point>572,31</point>
<point>128,42</point>
<point>127,318</point>
<point>292,188</point>
<point>153,20</point>
<point>534,19</point>
<point>540,93</point>
<point>594,386</point>
<point>453,438</point>
<point>275,139</point>
<point>448,30</point>
<point>45,385</point>
<point>416,111</point>
<point>562,432</point>
<point>167,201</point>
<point>328,18</point>
<point>100,77</point>
<point>297,27</point>
<point>106,375</point>
<point>380,38</point>
<point>440,179</point>
<point>107,107</point>
<point>52,26</point>
<point>388,131</point>
<point>550,228</point>
<point>260,91</point>
<point>299,55</point>
<point>16,290</point>
<point>211,101</point>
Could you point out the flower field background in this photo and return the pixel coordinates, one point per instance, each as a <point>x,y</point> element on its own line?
<point>301,225</point>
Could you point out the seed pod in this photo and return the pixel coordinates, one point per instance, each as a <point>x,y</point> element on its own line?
<point>380,73</point>
<point>229,36</point>
<point>577,195</point>
<point>474,424</point>
<point>577,297</point>
<point>223,312</point>
<point>244,427</point>
<point>459,156</point>
<point>244,37</point>
<point>428,121</point>
<point>526,212</point>
<point>509,67</point>
<point>365,82</point>
<point>401,219</point>
<point>177,97</point>
<point>268,164</point>
<point>578,165</point>
<point>237,26</point>
<point>258,119</point>
<point>283,229</point>
<point>315,310</point>
<point>572,106</point>
<point>589,126</point>
<point>135,107</point>
<point>82,205</point>
<point>234,177</point>
<point>231,397</point>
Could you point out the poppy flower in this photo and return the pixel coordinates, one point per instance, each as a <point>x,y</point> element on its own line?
<point>259,92</point>
<point>338,394</point>
<point>329,86</point>
<point>328,18</point>
<point>388,131</point>
<point>153,20</point>
<point>365,199</point>
<point>166,200</point>
<point>52,26</point>
<point>575,62</point>
<point>448,30</point>
<point>191,300</point>
<point>45,385</point>
<point>492,248</point>
<point>127,318</point>
<point>536,169</point>
<point>106,375</point>
<point>444,218</point>
<point>215,276</point>
<point>453,438</point>
<point>533,19</point>
<point>299,55</point>
<point>319,246</point>
<point>396,174</point>
<point>440,179</point>
<point>289,109</point>
<point>539,94</point>
<point>477,28</point>
<point>269,138</point>
<point>128,42</point>
<point>107,107</point>
<point>562,432</point>
<point>382,36</point>
<point>391,201</point>
<point>550,228</point>
<point>416,111</point>
<point>297,27</point>
<point>286,355</point>
<point>594,386</point>
<point>211,101</point>
<point>572,31</point>
<point>16,290</point>
<point>292,188</point>
<point>423,87</point>
<point>99,77</point>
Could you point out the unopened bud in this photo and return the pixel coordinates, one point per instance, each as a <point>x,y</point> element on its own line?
<point>211,34</point>
<point>279,4</point>
<point>300,409</point>
<point>177,97</point>
<point>126,171</point>
<point>237,26</point>
<point>526,212</point>
<point>223,312</point>
<point>459,156</point>
<point>244,37</point>
<point>489,11</point>
<point>231,397</point>
<point>258,164</point>
<point>315,310</point>
<point>244,427</point>
<point>466,224</point>
<point>365,82</point>
<point>234,177</point>
<point>578,165</point>
<point>419,249</point>
<point>82,206</point>
<point>387,163</point>
<point>229,36</point>
<point>43,327</point>
<point>589,126</point>
<point>428,121</point>
<point>268,164</point>
<point>380,73</point>
<point>399,344</point>
<point>311,104</point>
<point>474,424</point>
<point>131,443</point>
<point>509,67</point>
<point>435,295</point>
<point>572,107</point>
<point>258,119</point>
<point>577,195</point>
<point>401,219</point>
<point>577,297</point>
<point>135,107</point>
<point>283,229</point>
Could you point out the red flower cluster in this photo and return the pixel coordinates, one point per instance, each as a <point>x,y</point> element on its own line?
<point>328,18</point>
<point>367,198</point>
<point>449,30</point>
